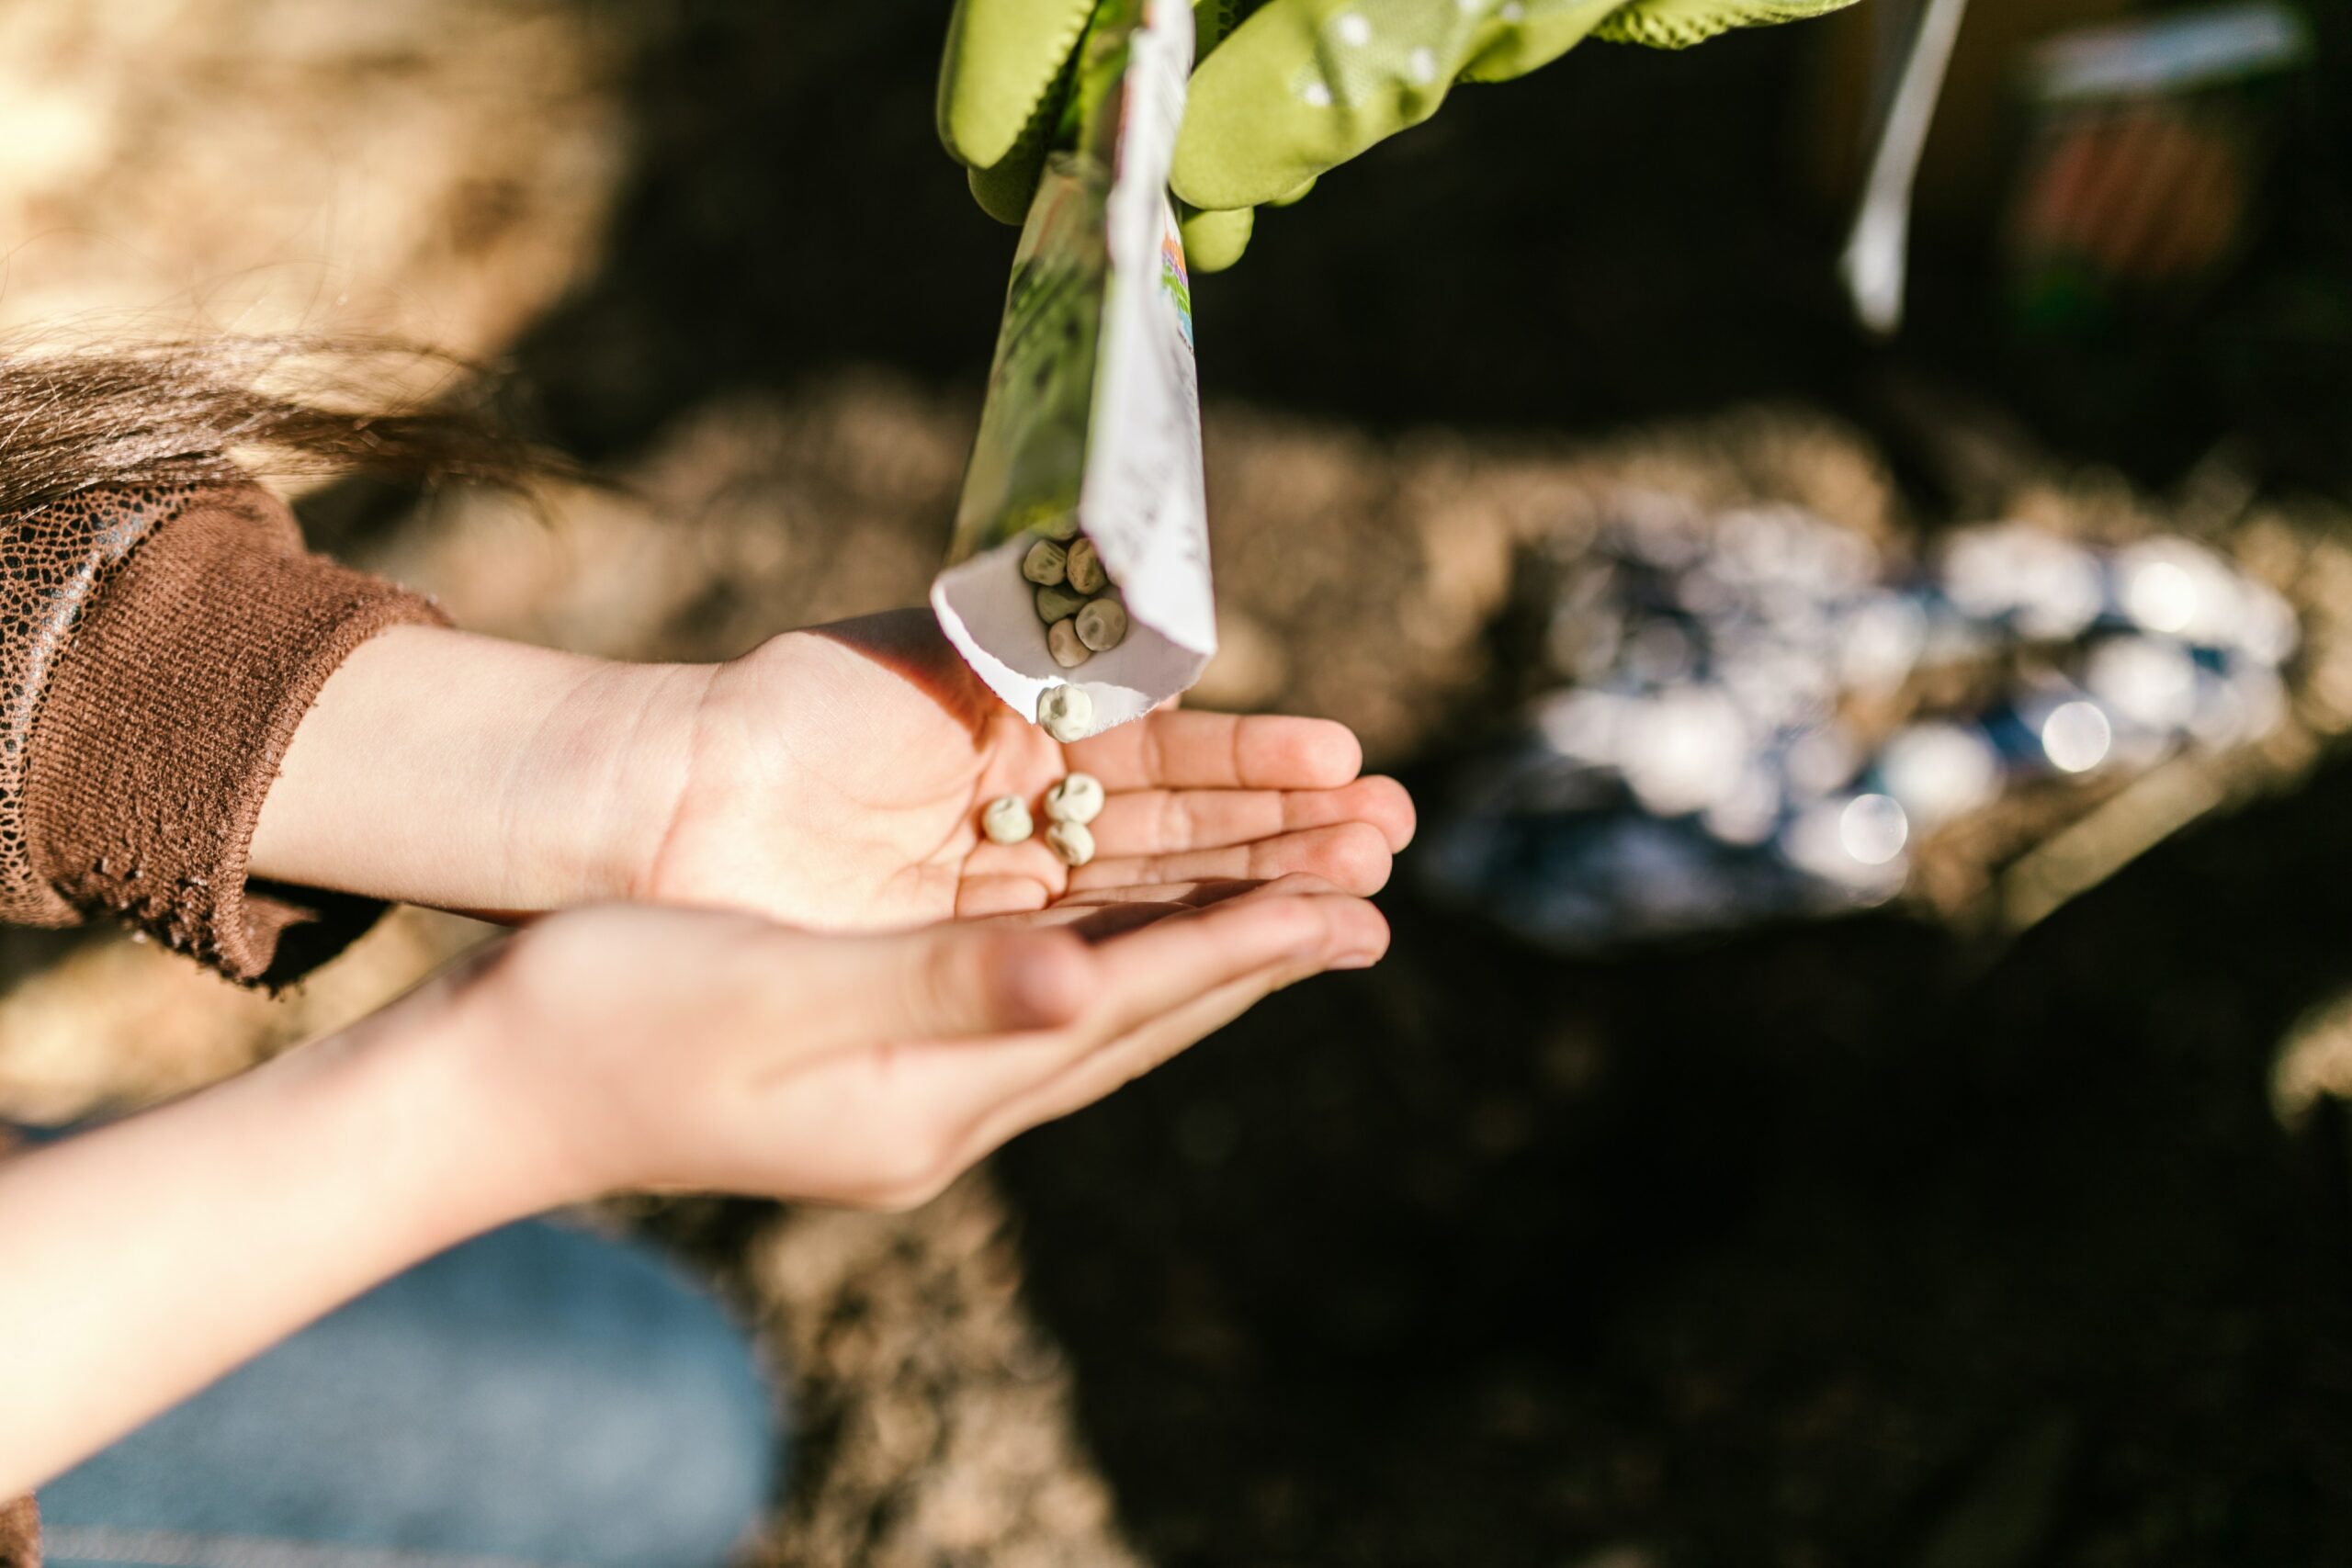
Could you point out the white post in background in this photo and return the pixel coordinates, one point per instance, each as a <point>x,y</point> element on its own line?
<point>1877,250</point>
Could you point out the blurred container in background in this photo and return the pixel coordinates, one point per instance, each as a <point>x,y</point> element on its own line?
<point>1755,714</point>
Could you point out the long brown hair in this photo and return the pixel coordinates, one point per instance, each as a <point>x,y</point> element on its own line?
<point>77,414</point>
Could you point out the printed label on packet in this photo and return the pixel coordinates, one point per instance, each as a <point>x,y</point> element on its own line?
<point>1092,417</point>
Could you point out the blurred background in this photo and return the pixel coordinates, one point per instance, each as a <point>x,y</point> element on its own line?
<point>1857,1081</point>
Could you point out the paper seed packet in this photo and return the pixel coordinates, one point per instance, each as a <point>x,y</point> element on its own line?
<point>1092,419</point>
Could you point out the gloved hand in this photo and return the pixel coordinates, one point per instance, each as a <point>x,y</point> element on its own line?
<point>1284,89</point>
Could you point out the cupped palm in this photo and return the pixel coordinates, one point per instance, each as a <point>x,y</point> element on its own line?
<point>833,778</point>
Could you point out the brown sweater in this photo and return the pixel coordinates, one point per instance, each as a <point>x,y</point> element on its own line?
<point>19,1534</point>
<point>157,649</point>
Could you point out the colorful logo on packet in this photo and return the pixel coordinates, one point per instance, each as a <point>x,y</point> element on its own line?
<point>1172,279</point>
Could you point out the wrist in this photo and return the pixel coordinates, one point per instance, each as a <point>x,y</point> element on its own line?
<point>448,769</point>
<point>594,785</point>
<point>433,1088</point>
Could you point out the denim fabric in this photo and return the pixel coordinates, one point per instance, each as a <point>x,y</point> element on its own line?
<point>539,1395</point>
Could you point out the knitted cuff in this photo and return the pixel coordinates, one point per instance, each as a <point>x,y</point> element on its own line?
<point>19,1534</point>
<point>55,561</point>
<point>164,725</point>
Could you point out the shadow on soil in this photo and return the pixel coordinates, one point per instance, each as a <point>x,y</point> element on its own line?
<point>1825,1245</point>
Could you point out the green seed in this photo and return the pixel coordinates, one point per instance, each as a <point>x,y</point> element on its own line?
<point>1084,569</point>
<point>1047,563</point>
<point>1102,625</point>
<point>1059,604</point>
<point>1062,642</point>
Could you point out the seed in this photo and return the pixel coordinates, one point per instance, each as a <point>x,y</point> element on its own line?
<point>1065,712</point>
<point>1006,820</point>
<point>1059,604</point>
<point>1103,624</point>
<point>1064,527</point>
<point>1078,798</point>
<point>1072,842</point>
<point>1047,563</point>
<point>1085,569</point>
<point>1068,647</point>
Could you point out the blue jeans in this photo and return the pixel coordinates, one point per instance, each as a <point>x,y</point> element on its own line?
<point>540,1395</point>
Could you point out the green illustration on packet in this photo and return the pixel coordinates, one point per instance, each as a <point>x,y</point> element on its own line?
<point>1077,579</point>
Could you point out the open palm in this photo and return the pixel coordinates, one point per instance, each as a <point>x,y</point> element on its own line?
<point>835,776</point>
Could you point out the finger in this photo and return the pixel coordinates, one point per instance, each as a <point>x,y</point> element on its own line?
<point>1159,821</point>
<point>1106,1072</point>
<point>1151,1047</point>
<point>1351,855</point>
<point>1029,858</point>
<point>1080,1083</point>
<point>1153,972</point>
<point>979,897</point>
<point>1678,24</point>
<point>1191,895</point>
<point>1093,922</point>
<point>1104,922</point>
<point>954,982</point>
<point>1304,85</point>
<point>1215,241</point>
<point>1003,190</point>
<point>1107,911</point>
<point>1078,911</point>
<point>1158,969</point>
<point>1220,750</point>
<point>1002,58</point>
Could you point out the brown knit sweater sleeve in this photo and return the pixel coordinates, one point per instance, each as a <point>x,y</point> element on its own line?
<point>19,1534</point>
<point>157,649</point>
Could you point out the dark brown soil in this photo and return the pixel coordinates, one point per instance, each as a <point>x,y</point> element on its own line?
<point>1869,1244</point>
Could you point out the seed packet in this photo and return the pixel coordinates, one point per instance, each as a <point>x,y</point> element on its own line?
<point>1092,421</point>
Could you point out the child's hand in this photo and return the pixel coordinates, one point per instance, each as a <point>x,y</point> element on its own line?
<point>625,1047</point>
<point>612,1048</point>
<point>834,779</point>
<point>831,778</point>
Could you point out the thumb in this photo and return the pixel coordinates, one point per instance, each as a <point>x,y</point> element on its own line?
<point>953,981</point>
<point>1002,58</point>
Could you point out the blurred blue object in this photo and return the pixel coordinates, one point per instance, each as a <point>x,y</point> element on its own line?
<point>1759,715</point>
<point>539,1395</point>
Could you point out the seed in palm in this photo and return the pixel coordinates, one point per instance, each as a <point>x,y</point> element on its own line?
<point>1006,820</point>
<point>1078,798</point>
<point>1066,713</point>
<point>1071,840</point>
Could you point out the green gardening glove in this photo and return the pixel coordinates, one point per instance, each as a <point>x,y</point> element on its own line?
<point>1284,88</point>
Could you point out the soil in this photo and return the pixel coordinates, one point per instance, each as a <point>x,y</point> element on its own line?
<point>1904,1240</point>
